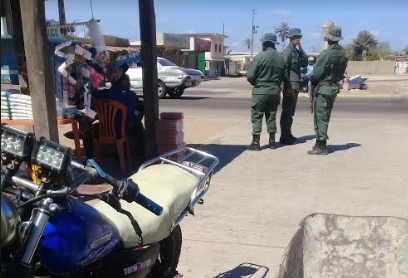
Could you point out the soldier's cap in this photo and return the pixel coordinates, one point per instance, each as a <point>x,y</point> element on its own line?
<point>270,37</point>
<point>334,34</point>
<point>294,32</point>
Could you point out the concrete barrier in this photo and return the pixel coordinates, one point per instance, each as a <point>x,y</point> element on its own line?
<point>370,67</point>
<point>336,246</point>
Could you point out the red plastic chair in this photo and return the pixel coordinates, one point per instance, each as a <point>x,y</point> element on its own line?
<point>107,110</point>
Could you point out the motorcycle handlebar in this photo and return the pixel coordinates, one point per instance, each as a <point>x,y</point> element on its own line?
<point>148,204</point>
<point>130,192</point>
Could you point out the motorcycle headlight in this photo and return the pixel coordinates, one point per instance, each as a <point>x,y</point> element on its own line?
<point>51,156</point>
<point>9,221</point>
<point>16,143</point>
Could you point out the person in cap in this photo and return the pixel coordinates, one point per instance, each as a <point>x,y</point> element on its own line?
<point>327,73</point>
<point>120,91</point>
<point>265,74</point>
<point>294,58</point>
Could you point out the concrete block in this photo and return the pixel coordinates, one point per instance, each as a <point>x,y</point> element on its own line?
<point>337,246</point>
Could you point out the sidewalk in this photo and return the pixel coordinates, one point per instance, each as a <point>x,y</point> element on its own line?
<point>257,199</point>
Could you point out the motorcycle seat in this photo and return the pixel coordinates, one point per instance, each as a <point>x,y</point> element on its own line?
<point>167,185</point>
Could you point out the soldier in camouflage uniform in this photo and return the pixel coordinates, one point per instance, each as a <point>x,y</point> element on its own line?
<point>328,71</point>
<point>265,74</point>
<point>294,58</point>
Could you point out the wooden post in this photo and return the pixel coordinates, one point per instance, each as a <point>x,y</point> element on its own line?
<point>40,72</point>
<point>149,65</point>
<point>62,19</point>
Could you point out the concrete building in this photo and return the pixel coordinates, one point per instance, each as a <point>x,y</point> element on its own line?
<point>194,57</point>
<point>237,63</point>
<point>203,51</point>
<point>169,46</point>
<point>214,59</point>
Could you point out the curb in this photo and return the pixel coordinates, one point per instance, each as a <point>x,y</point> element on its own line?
<point>347,95</point>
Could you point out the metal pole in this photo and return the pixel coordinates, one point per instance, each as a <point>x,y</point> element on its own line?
<point>252,35</point>
<point>149,68</point>
<point>62,18</point>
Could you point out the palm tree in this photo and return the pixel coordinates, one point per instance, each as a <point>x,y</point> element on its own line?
<point>282,31</point>
<point>364,41</point>
<point>248,43</point>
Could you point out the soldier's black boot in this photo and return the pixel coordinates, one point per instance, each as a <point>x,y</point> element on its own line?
<point>294,139</point>
<point>272,144</point>
<point>316,146</point>
<point>255,145</point>
<point>319,149</point>
<point>288,139</point>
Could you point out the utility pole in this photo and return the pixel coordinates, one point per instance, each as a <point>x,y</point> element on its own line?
<point>62,18</point>
<point>147,20</point>
<point>253,32</point>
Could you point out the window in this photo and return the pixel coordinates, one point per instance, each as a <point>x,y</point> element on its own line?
<point>220,48</point>
<point>165,63</point>
<point>215,47</point>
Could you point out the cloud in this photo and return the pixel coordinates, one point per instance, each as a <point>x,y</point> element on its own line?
<point>282,13</point>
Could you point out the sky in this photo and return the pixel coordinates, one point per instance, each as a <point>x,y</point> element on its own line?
<point>386,19</point>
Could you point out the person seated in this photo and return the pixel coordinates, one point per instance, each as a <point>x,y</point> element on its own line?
<point>120,91</point>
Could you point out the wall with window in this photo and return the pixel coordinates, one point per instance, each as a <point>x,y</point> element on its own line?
<point>217,49</point>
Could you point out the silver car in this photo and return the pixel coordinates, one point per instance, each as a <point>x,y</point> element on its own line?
<point>173,80</point>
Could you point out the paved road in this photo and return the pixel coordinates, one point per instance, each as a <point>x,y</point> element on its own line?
<point>257,199</point>
<point>343,105</point>
<point>224,95</point>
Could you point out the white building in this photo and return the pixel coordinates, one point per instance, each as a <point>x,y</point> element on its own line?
<point>237,63</point>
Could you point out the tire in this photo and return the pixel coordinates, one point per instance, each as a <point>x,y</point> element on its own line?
<point>176,93</point>
<point>162,90</point>
<point>170,250</point>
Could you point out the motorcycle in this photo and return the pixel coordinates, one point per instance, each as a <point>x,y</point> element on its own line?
<point>132,230</point>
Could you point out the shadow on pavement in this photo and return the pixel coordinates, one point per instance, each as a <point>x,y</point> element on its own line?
<point>245,270</point>
<point>337,148</point>
<point>301,140</point>
<point>225,153</point>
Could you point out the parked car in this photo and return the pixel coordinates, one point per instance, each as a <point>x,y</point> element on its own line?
<point>173,80</point>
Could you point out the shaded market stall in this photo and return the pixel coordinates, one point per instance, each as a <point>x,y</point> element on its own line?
<point>32,48</point>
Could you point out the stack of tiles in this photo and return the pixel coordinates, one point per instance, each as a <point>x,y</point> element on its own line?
<point>170,135</point>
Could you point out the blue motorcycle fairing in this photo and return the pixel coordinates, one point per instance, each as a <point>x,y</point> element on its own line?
<point>75,238</point>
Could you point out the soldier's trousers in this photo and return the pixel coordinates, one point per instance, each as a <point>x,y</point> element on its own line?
<point>323,106</point>
<point>264,104</point>
<point>288,111</point>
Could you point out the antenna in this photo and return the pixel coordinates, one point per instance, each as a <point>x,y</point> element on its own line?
<point>90,4</point>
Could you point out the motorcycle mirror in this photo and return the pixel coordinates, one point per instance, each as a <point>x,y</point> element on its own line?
<point>95,165</point>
